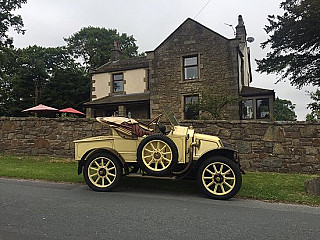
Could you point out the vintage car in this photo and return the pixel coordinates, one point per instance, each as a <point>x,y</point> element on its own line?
<point>150,150</point>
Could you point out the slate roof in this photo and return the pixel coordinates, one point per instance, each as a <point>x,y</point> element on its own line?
<point>123,64</point>
<point>252,91</point>
<point>127,98</point>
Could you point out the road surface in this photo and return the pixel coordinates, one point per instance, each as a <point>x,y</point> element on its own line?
<point>42,210</point>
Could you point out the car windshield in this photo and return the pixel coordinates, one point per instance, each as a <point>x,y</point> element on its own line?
<point>172,119</point>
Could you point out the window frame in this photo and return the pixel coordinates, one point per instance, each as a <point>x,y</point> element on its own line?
<point>253,109</point>
<point>197,65</point>
<point>184,105</point>
<point>267,116</point>
<point>113,82</point>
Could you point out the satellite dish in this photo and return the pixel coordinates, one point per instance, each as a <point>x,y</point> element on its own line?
<point>250,39</point>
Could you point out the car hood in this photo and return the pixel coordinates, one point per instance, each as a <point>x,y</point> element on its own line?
<point>208,138</point>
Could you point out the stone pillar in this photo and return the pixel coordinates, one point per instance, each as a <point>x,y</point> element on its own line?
<point>122,111</point>
<point>89,113</point>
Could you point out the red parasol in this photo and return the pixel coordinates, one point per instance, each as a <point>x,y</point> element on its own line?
<point>71,110</point>
<point>40,108</point>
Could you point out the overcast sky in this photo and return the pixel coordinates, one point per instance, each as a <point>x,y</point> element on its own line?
<point>47,22</point>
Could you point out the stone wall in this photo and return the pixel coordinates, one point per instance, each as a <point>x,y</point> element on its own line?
<point>263,146</point>
<point>46,135</point>
<point>270,146</point>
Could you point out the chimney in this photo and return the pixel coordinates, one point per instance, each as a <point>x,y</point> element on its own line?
<point>241,30</point>
<point>116,53</point>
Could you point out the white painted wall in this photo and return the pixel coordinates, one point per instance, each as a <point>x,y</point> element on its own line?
<point>134,82</point>
<point>101,85</point>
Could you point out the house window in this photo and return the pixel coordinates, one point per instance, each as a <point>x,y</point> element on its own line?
<point>190,107</point>
<point>191,67</point>
<point>117,82</point>
<point>247,109</point>
<point>263,110</point>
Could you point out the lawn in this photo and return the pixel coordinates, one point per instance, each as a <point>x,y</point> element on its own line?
<point>288,188</point>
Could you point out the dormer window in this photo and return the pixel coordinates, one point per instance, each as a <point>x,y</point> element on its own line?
<point>117,82</point>
<point>191,67</point>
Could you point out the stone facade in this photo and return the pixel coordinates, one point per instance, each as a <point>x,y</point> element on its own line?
<point>215,61</point>
<point>263,146</point>
<point>218,67</point>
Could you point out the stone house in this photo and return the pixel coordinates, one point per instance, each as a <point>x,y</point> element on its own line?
<point>174,74</point>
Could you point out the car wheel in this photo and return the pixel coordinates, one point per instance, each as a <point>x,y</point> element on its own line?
<point>102,172</point>
<point>157,155</point>
<point>219,178</point>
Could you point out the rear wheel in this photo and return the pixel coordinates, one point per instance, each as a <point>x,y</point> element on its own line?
<point>219,178</point>
<point>102,172</point>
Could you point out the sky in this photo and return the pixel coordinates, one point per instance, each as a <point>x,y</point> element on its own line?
<point>47,22</point>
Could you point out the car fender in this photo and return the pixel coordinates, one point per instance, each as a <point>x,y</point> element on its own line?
<point>226,152</point>
<point>94,151</point>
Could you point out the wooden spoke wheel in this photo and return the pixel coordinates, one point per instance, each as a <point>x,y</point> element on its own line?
<point>157,155</point>
<point>102,171</point>
<point>219,178</point>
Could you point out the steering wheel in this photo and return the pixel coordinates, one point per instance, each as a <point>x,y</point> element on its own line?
<point>162,128</point>
<point>155,121</point>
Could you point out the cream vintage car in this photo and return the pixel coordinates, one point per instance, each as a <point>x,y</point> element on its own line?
<point>136,149</point>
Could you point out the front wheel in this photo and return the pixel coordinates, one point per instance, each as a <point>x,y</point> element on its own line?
<point>102,171</point>
<point>219,178</point>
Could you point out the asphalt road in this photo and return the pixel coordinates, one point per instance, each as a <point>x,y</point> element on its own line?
<point>40,210</point>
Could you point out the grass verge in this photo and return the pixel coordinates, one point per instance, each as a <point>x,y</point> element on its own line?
<point>288,188</point>
<point>42,168</point>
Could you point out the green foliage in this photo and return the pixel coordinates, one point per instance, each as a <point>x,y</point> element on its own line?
<point>7,79</point>
<point>93,45</point>
<point>37,75</point>
<point>51,76</point>
<point>68,87</point>
<point>284,110</point>
<point>9,20</point>
<point>212,104</point>
<point>294,39</point>
<point>314,106</point>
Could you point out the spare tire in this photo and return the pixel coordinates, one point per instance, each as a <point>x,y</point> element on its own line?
<point>157,155</point>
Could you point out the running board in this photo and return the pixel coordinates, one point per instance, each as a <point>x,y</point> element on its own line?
<point>139,175</point>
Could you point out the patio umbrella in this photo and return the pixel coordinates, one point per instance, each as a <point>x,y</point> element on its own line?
<point>71,110</point>
<point>40,108</point>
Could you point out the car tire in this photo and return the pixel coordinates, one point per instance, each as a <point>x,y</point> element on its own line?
<point>219,178</point>
<point>157,155</point>
<point>102,171</point>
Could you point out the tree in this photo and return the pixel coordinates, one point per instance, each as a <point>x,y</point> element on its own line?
<point>213,104</point>
<point>36,75</point>
<point>69,87</point>
<point>93,45</point>
<point>314,106</point>
<point>8,76</point>
<point>284,110</point>
<point>294,39</point>
<point>8,20</point>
